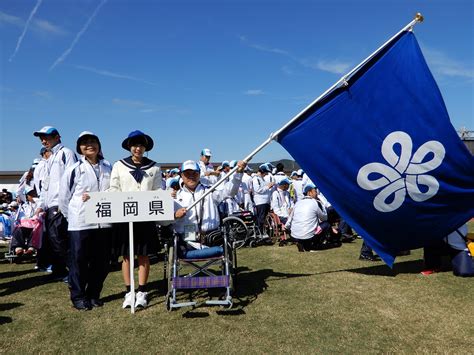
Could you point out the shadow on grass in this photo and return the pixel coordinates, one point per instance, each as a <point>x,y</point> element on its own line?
<point>8,274</point>
<point>5,307</point>
<point>5,320</point>
<point>11,287</point>
<point>406,267</point>
<point>250,283</point>
<point>8,306</point>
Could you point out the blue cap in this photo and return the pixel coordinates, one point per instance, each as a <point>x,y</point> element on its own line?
<point>173,181</point>
<point>225,163</point>
<point>308,187</point>
<point>147,141</point>
<point>45,131</point>
<point>284,181</point>
<point>265,168</point>
<point>174,171</point>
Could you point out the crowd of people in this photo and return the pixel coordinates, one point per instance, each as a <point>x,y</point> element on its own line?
<point>48,215</point>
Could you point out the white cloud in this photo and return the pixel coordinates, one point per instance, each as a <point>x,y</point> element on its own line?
<point>63,56</point>
<point>333,66</point>
<point>11,20</point>
<point>442,64</point>
<point>37,25</point>
<point>48,27</point>
<point>254,92</point>
<point>112,74</point>
<point>146,107</point>
<point>261,48</point>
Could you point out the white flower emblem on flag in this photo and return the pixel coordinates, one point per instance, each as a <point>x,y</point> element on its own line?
<point>406,173</point>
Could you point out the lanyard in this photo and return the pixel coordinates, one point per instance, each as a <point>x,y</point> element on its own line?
<point>283,201</point>
<point>199,217</point>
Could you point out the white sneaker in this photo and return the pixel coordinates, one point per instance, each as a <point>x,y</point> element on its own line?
<point>141,299</point>
<point>128,300</point>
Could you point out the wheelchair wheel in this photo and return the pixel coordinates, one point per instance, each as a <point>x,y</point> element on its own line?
<point>270,227</point>
<point>236,230</point>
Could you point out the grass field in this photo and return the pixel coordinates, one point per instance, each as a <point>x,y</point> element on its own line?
<point>285,302</point>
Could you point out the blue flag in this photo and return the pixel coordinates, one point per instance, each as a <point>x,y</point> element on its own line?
<point>383,151</point>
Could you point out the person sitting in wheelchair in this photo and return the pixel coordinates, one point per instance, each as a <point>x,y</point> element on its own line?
<point>22,241</point>
<point>198,224</point>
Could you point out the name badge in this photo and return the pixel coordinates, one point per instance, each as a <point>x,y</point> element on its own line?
<point>190,233</point>
<point>45,184</point>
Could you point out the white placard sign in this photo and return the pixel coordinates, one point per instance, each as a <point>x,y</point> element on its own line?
<point>139,206</point>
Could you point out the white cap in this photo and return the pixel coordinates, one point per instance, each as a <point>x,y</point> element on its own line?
<point>190,165</point>
<point>28,189</point>
<point>206,152</point>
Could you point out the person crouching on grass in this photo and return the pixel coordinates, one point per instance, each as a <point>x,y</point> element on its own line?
<point>307,220</point>
<point>137,173</point>
<point>89,244</point>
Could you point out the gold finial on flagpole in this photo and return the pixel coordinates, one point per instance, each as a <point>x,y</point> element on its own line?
<point>419,17</point>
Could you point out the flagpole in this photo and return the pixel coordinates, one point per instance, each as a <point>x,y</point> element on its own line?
<point>342,81</point>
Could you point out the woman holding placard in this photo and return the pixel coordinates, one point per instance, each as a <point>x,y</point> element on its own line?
<point>137,173</point>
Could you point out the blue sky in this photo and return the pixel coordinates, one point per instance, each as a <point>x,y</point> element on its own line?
<point>194,74</point>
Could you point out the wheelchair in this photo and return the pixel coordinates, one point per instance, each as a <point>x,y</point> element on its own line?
<point>27,251</point>
<point>276,229</point>
<point>243,227</point>
<point>209,268</point>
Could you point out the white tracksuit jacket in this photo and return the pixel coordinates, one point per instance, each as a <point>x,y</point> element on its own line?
<point>77,180</point>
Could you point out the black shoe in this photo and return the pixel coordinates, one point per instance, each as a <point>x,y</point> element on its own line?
<point>95,302</point>
<point>82,305</point>
<point>369,258</point>
<point>300,247</point>
<point>347,238</point>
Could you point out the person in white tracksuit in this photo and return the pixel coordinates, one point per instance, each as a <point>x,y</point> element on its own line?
<point>89,244</point>
<point>262,195</point>
<point>208,175</point>
<point>281,202</point>
<point>306,219</point>
<point>194,224</point>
